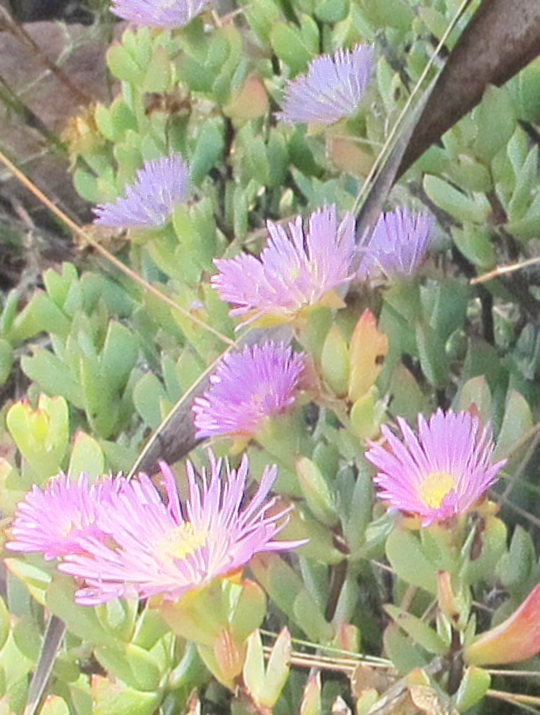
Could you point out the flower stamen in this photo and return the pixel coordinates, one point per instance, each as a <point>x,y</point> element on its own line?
<point>181,542</point>
<point>435,487</point>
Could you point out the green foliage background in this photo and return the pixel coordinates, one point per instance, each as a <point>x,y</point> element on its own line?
<point>121,358</point>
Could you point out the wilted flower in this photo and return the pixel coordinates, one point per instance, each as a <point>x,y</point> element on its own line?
<point>397,245</point>
<point>443,471</point>
<point>296,270</point>
<point>167,549</point>
<point>51,521</point>
<point>247,388</point>
<point>158,13</point>
<point>148,203</point>
<point>332,88</point>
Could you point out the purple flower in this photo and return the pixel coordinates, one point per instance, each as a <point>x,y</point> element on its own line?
<point>167,549</point>
<point>247,388</point>
<point>51,521</point>
<point>296,270</point>
<point>397,245</point>
<point>332,88</point>
<point>442,471</point>
<point>158,13</point>
<point>148,203</point>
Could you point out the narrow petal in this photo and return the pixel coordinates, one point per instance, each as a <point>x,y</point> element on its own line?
<point>158,13</point>
<point>53,520</point>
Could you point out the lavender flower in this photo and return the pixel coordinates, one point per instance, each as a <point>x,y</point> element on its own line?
<point>332,88</point>
<point>397,246</point>
<point>296,270</point>
<point>441,472</point>
<point>168,549</point>
<point>51,521</point>
<point>247,388</point>
<point>148,203</point>
<point>158,13</point>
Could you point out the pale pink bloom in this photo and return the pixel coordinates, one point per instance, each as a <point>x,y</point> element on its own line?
<point>158,13</point>
<point>332,88</point>
<point>441,471</point>
<point>149,201</point>
<point>156,548</point>
<point>397,246</point>
<point>297,269</point>
<point>247,388</point>
<point>52,520</point>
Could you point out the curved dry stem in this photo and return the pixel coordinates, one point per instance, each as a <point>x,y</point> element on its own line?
<point>505,270</point>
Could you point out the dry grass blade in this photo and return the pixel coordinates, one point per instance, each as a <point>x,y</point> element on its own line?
<point>374,201</point>
<point>305,660</point>
<point>513,673</point>
<point>526,702</point>
<point>335,655</point>
<point>501,39</point>
<point>505,270</point>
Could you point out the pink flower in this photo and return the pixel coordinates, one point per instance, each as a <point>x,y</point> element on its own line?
<point>155,548</point>
<point>297,269</point>
<point>150,200</point>
<point>397,246</point>
<point>52,521</point>
<point>442,471</point>
<point>158,13</point>
<point>247,388</point>
<point>332,88</point>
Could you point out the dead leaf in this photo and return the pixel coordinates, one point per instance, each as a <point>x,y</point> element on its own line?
<point>368,349</point>
<point>363,678</point>
<point>427,701</point>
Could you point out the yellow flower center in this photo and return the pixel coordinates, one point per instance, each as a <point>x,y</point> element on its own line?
<point>181,542</point>
<point>435,487</point>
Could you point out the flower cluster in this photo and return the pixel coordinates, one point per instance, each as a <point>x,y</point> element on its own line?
<point>247,388</point>
<point>160,13</point>
<point>122,540</point>
<point>296,270</point>
<point>397,245</point>
<point>332,88</point>
<point>51,522</point>
<point>161,185</point>
<point>442,471</point>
